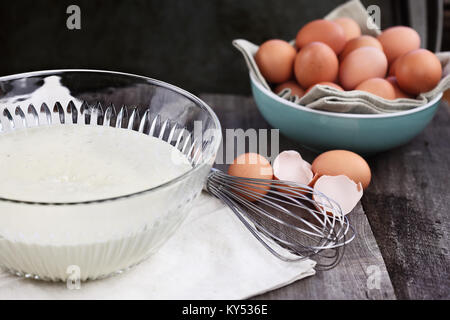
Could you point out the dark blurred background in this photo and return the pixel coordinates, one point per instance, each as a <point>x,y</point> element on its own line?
<point>184,42</point>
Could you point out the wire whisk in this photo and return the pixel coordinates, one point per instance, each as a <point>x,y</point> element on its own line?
<point>292,221</point>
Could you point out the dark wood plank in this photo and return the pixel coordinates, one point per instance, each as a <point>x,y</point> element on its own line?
<point>408,209</point>
<point>349,279</point>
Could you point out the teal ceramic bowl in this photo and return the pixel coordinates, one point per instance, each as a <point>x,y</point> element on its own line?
<point>321,130</point>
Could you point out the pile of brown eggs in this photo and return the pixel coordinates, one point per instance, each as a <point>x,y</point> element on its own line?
<point>335,53</point>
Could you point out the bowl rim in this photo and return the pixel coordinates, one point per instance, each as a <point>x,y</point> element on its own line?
<point>342,115</point>
<point>160,83</point>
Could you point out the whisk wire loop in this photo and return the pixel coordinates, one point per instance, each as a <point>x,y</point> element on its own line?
<point>292,221</point>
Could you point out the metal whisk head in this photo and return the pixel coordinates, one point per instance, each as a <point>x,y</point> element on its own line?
<point>292,221</point>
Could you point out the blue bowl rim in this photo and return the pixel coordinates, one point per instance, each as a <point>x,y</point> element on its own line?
<point>341,115</point>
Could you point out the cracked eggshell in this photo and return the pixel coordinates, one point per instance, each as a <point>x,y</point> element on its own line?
<point>340,189</point>
<point>290,166</point>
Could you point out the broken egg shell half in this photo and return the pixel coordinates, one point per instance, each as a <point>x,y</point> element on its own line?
<point>341,189</point>
<point>290,166</point>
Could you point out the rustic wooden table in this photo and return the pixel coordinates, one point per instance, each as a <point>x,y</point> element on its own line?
<point>403,233</point>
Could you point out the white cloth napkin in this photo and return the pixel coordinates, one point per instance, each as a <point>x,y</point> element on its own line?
<point>211,256</point>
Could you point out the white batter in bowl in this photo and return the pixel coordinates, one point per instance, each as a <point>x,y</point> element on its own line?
<point>85,190</point>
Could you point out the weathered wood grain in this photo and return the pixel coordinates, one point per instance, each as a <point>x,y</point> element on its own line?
<point>408,206</point>
<point>362,257</point>
<point>349,280</point>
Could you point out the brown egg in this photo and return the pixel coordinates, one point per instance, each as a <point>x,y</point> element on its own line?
<point>316,62</point>
<point>398,40</point>
<point>398,92</point>
<point>379,87</point>
<point>325,83</point>
<point>363,41</point>
<point>362,64</point>
<point>418,71</point>
<point>295,88</point>
<point>255,166</point>
<point>351,28</point>
<point>343,162</point>
<point>275,59</point>
<point>324,31</point>
<point>392,67</point>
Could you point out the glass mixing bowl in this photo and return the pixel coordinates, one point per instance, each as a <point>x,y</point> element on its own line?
<point>94,239</point>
